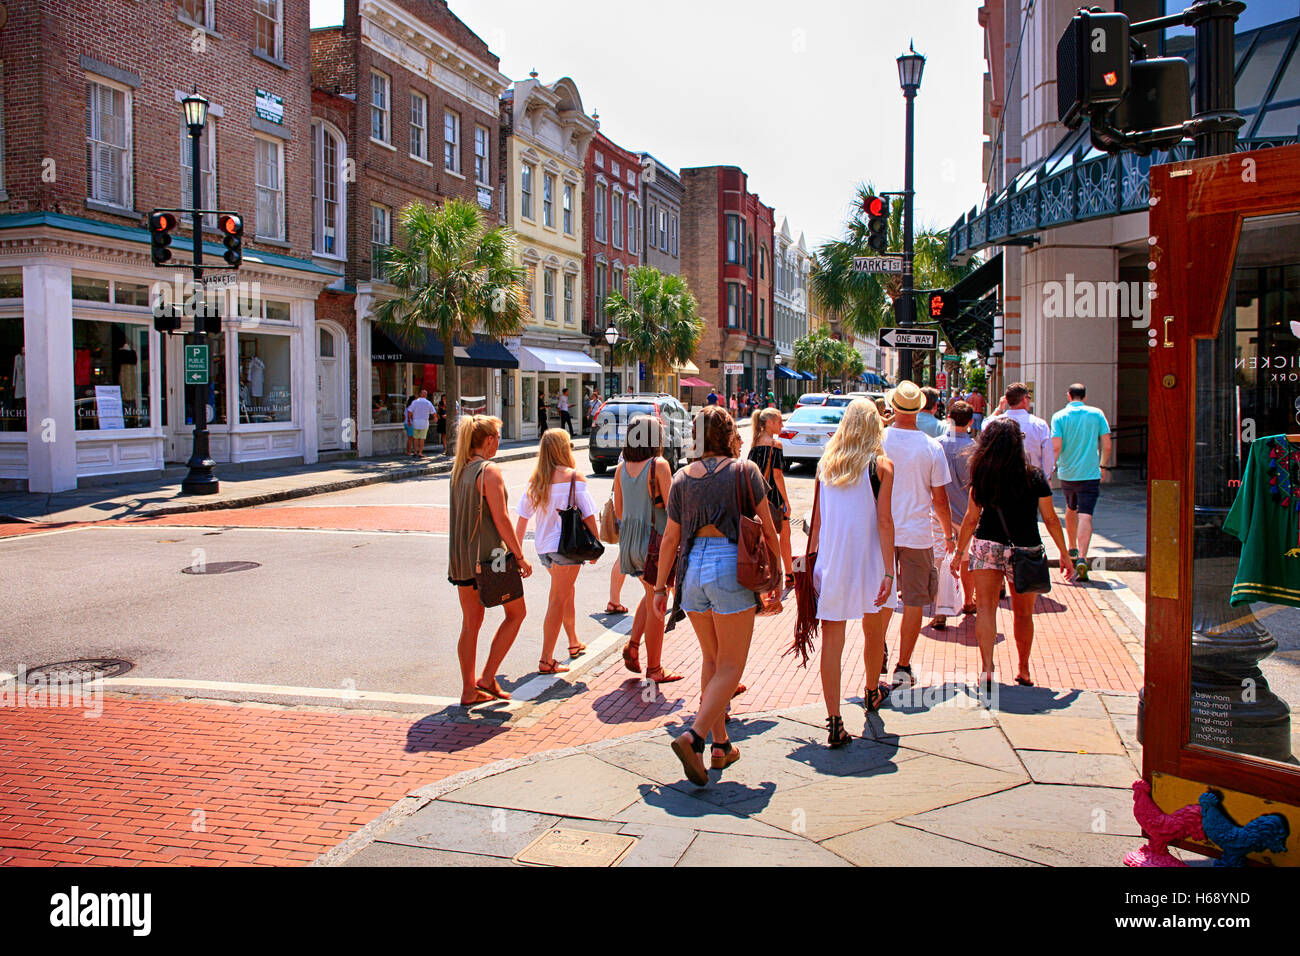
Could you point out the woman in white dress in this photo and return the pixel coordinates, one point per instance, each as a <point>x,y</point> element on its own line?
<point>853,537</point>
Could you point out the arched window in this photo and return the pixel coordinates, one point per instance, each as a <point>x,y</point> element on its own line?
<point>328,191</point>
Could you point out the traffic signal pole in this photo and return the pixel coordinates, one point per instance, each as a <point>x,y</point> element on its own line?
<point>201,480</point>
<point>907,316</point>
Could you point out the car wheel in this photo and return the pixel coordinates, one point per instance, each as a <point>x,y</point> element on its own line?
<point>599,467</point>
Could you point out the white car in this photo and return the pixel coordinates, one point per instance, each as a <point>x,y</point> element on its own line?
<point>805,433</point>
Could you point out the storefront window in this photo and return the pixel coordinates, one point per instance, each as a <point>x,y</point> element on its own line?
<point>388,393</point>
<point>11,285</point>
<point>130,293</point>
<point>89,290</point>
<point>13,376</point>
<point>265,376</point>
<point>110,369</point>
<point>529,398</point>
<point>1245,640</point>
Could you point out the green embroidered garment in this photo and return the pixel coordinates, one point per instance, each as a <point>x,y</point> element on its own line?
<point>1265,517</point>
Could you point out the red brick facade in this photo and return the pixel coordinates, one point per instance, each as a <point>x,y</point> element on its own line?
<point>610,256</point>
<point>735,297</point>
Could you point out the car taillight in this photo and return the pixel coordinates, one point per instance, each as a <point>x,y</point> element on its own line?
<point>787,433</point>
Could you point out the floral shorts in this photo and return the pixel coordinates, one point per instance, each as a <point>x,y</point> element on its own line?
<point>989,556</point>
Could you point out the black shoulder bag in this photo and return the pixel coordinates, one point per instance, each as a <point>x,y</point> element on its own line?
<point>576,539</point>
<point>1029,569</point>
<point>499,582</point>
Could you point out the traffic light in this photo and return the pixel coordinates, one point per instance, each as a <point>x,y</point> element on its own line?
<point>161,226</point>
<point>231,228</point>
<point>1092,65</point>
<point>877,210</point>
<point>943,305</point>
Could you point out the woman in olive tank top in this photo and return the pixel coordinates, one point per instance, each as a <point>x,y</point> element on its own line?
<point>480,530</point>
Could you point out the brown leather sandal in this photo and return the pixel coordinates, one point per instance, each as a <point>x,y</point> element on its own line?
<point>723,755</point>
<point>630,658</point>
<point>551,667</point>
<point>494,689</point>
<point>664,677</point>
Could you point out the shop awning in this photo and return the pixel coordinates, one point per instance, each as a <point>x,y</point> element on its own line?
<point>534,359</point>
<point>972,329</point>
<point>695,383</point>
<point>686,368</point>
<point>485,352</point>
<point>783,372</point>
<point>807,375</point>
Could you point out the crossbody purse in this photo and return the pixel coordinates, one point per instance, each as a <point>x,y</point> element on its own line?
<point>499,581</point>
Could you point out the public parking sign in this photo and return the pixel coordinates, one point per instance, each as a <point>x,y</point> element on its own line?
<point>909,339</point>
<point>196,365</point>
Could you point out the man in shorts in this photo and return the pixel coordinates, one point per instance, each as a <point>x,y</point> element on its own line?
<point>920,490</point>
<point>417,417</point>
<point>1081,441</point>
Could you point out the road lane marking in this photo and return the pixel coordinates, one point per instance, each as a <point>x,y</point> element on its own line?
<point>531,690</point>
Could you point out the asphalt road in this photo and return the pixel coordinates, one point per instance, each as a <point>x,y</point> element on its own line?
<point>328,616</point>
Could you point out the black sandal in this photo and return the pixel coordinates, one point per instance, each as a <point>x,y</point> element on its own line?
<point>838,736</point>
<point>874,698</point>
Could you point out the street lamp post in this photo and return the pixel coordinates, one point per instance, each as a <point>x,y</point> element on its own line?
<point>910,67</point>
<point>200,479</point>
<point>612,337</point>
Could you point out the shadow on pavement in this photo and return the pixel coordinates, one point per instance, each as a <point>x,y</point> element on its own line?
<point>454,729</point>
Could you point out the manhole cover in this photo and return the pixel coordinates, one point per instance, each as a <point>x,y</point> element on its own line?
<point>76,672</point>
<point>220,567</point>
<point>561,847</point>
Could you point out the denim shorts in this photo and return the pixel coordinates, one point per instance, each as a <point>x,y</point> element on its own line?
<point>711,583</point>
<point>554,558</point>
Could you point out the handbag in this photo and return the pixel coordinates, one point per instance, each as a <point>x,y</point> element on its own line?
<point>756,565</point>
<point>576,539</point>
<point>805,595</point>
<point>1030,573</point>
<point>650,570</point>
<point>608,523</point>
<point>500,582</point>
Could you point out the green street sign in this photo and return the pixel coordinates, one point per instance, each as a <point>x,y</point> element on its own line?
<point>196,365</point>
<point>951,358</point>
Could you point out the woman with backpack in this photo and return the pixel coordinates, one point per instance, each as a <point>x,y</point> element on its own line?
<point>708,501</point>
<point>852,538</point>
<point>554,486</point>
<point>1007,497</point>
<point>641,484</point>
<point>765,452</point>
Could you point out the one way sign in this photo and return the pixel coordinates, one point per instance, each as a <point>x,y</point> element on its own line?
<point>909,339</point>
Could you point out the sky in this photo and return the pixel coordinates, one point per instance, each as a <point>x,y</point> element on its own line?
<point>802,96</point>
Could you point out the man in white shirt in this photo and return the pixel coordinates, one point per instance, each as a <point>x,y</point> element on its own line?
<point>921,478</point>
<point>562,406</point>
<point>1037,434</point>
<point>417,416</point>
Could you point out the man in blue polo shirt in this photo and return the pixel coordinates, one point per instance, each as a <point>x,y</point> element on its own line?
<point>1081,440</point>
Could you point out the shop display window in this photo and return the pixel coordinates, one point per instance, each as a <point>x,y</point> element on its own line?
<point>13,376</point>
<point>388,393</point>
<point>110,369</point>
<point>265,378</point>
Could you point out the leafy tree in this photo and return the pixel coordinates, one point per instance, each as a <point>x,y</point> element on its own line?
<point>453,275</point>
<point>816,352</point>
<point>658,320</point>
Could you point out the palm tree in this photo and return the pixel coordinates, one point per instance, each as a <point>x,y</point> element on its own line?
<point>453,276</point>
<point>658,320</point>
<point>862,299</point>
<point>816,352</point>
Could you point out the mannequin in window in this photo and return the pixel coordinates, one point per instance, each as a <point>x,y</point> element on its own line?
<point>256,373</point>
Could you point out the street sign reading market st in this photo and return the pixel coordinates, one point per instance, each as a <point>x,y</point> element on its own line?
<point>878,264</point>
<point>908,339</point>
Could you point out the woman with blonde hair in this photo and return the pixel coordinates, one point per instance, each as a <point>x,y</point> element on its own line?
<point>765,452</point>
<point>704,511</point>
<point>853,537</point>
<point>553,482</point>
<point>477,485</point>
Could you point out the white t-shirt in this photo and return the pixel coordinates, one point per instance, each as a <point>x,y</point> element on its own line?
<point>562,403</point>
<point>919,466</point>
<point>546,531</point>
<point>420,410</point>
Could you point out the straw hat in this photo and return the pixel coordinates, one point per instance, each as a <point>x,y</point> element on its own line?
<point>907,397</point>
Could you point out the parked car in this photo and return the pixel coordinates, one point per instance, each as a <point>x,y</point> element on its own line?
<point>812,398</point>
<point>807,430</point>
<point>609,431</point>
<point>870,396</point>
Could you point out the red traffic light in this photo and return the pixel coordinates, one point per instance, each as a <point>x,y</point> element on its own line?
<point>163,222</point>
<point>874,206</point>
<point>231,225</point>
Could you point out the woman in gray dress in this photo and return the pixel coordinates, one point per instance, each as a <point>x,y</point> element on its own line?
<point>641,485</point>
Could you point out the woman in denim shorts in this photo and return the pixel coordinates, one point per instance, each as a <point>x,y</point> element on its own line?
<point>704,510</point>
<point>1007,497</point>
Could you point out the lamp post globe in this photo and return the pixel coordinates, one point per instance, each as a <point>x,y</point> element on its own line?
<point>910,67</point>
<point>196,112</point>
<point>611,337</point>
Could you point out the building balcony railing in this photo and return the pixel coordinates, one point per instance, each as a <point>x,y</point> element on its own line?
<point>1080,188</point>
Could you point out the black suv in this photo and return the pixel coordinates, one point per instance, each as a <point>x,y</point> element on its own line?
<point>609,431</point>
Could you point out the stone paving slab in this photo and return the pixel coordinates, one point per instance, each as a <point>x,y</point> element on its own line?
<point>1039,701</point>
<point>1094,735</point>
<point>656,846</point>
<point>1093,770</point>
<point>728,849</point>
<point>893,844</point>
<point>467,828</point>
<point>985,746</point>
<point>1117,704</point>
<point>667,807</point>
<point>574,786</point>
<point>393,854</point>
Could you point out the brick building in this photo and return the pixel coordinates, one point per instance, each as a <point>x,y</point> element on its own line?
<point>726,256</point>
<point>404,108</point>
<point>94,139</point>
<point>612,247</point>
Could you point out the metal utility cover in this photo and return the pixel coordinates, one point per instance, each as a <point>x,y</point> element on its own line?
<point>563,847</point>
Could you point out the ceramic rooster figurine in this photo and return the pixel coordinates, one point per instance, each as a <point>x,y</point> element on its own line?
<point>1268,831</point>
<point>1161,829</point>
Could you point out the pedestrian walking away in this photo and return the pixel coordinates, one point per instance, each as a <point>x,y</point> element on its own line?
<point>410,428</point>
<point>958,446</point>
<point>1081,442</point>
<point>765,451</point>
<point>852,536</point>
<point>1037,433</point>
<point>928,421</point>
<point>641,484</point>
<point>978,405</point>
<point>554,481</point>
<point>704,520</point>
<point>1007,497</point>
<point>442,423</point>
<point>562,405</point>
<point>920,487</point>
<point>477,485</point>
<point>418,414</point>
